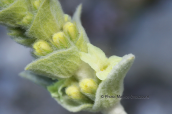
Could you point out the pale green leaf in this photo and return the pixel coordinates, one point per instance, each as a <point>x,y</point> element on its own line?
<point>13,13</point>
<point>81,43</point>
<point>83,38</point>
<point>38,79</point>
<point>47,21</point>
<point>17,34</point>
<point>56,89</point>
<point>58,64</point>
<point>73,106</point>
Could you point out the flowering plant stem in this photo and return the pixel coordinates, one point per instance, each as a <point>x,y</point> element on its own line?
<point>74,71</point>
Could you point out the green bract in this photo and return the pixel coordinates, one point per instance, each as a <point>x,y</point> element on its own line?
<point>76,73</point>
<point>47,21</point>
<point>38,79</point>
<point>59,64</point>
<point>12,14</point>
<point>17,34</point>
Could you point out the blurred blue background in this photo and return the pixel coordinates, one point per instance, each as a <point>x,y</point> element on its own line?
<point>118,27</point>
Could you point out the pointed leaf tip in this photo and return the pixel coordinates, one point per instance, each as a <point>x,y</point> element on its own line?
<point>59,64</point>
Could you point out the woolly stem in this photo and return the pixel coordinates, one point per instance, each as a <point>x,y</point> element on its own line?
<point>117,109</point>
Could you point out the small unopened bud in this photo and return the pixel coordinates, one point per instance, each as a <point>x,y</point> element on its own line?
<point>74,93</point>
<point>42,48</point>
<point>88,86</point>
<point>67,18</point>
<point>60,40</point>
<point>36,4</point>
<point>71,30</point>
<point>27,19</point>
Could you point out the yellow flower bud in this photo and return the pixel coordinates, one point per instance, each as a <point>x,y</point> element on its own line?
<point>60,40</point>
<point>36,4</point>
<point>74,93</point>
<point>42,48</point>
<point>88,86</point>
<point>71,30</point>
<point>27,19</point>
<point>67,18</point>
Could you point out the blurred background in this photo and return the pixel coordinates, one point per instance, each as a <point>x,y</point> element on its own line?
<point>118,27</point>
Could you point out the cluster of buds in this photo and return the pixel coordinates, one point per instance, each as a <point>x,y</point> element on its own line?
<point>84,91</point>
<point>75,72</point>
<point>60,40</point>
<point>85,88</point>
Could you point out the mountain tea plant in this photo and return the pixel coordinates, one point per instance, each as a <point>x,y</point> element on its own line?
<point>76,73</point>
